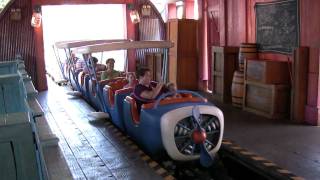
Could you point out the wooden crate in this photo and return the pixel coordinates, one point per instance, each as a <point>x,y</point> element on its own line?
<point>268,72</point>
<point>224,60</point>
<point>268,100</point>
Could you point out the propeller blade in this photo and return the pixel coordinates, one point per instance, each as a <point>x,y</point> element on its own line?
<point>205,158</point>
<point>196,112</point>
<point>196,116</point>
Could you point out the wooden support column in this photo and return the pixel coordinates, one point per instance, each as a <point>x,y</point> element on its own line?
<point>299,91</point>
<point>312,108</point>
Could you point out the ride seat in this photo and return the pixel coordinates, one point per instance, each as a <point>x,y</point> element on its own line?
<point>133,109</point>
<point>107,81</point>
<point>93,82</point>
<point>113,87</point>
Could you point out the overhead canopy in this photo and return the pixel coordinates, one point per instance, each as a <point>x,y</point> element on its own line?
<point>79,43</point>
<point>124,45</point>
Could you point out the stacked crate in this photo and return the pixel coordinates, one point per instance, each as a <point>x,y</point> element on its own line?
<point>246,51</point>
<point>224,62</point>
<point>267,88</point>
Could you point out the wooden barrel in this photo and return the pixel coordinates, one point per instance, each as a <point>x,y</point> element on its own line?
<point>237,89</point>
<point>247,51</point>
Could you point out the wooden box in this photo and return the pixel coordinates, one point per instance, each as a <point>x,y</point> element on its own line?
<point>268,100</point>
<point>18,152</point>
<point>268,72</point>
<point>224,60</point>
<point>8,67</point>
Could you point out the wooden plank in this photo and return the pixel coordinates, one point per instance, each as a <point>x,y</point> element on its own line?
<point>53,164</point>
<point>46,136</point>
<point>42,100</point>
<point>267,100</point>
<point>76,167</point>
<point>141,169</point>
<point>224,60</point>
<point>31,90</point>
<point>93,146</point>
<point>56,164</point>
<point>93,149</point>
<point>268,72</point>
<point>8,168</point>
<point>91,164</point>
<point>35,107</point>
<point>106,150</point>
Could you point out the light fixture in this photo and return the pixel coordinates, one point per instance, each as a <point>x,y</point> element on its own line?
<point>134,14</point>
<point>15,14</point>
<point>36,17</point>
<point>146,10</point>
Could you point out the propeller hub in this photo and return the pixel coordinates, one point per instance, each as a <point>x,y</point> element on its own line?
<point>199,136</point>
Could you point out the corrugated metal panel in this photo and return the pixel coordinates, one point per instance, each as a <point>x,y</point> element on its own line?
<point>18,37</point>
<point>150,28</point>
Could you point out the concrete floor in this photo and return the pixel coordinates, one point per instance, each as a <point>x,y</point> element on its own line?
<point>295,147</point>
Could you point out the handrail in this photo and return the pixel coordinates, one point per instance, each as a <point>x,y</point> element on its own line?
<point>79,43</point>
<point>123,46</point>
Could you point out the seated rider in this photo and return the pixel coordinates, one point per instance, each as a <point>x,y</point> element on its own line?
<point>146,91</point>
<point>110,73</point>
<point>131,80</point>
<point>97,67</point>
<point>80,64</point>
<point>72,61</point>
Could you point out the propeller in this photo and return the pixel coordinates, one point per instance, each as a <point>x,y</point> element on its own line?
<point>199,137</point>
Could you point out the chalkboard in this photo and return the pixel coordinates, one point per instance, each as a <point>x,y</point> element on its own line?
<point>277,26</point>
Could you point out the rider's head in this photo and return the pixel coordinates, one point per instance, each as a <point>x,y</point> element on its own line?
<point>144,75</point>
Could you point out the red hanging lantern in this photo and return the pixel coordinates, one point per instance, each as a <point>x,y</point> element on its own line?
<point>134,15</point>
<point>36,17</point>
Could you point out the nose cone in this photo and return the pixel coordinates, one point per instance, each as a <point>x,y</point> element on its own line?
<point>199,136</point>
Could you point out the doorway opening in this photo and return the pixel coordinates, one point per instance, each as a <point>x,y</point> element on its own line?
<point>82,22</point>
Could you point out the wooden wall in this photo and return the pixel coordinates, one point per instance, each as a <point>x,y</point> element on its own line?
<point>310,37</point>
<point>236,24</point>
<point>18,37</point>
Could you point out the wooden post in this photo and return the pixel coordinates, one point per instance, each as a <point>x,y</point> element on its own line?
<point>299,85</point>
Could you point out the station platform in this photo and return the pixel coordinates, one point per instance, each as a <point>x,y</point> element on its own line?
<point>293,147</point>
<point>95,149</point>
<point>88,148</point>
